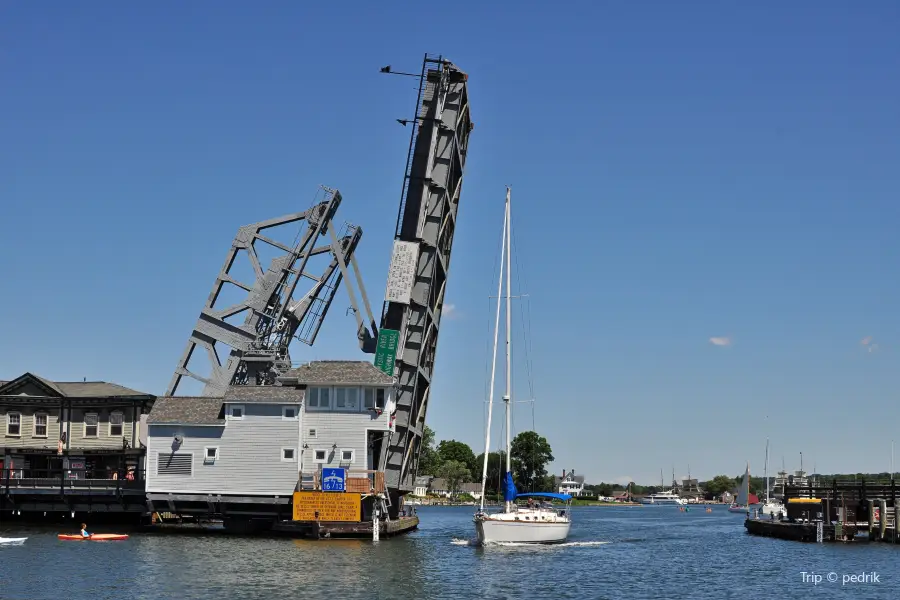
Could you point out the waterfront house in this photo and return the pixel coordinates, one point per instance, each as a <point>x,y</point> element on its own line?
<point>421,484</point>
<point>570,483</point>
<point>70,430</point>
<point>472,489</point>
<point>259,442</point>
<point>439,487</point>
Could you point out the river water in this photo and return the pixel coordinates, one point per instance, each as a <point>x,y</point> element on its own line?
<point>614,552</point>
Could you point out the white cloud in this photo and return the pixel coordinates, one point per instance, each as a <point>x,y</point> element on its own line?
<point>720,341</point>
<point>623,479</point>
<point>449,311</point>
<point>868,343</point>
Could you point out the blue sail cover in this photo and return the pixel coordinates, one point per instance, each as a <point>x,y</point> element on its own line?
<point>509,488</point>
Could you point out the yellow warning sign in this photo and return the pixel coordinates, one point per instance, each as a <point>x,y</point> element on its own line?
<point>331,506</point>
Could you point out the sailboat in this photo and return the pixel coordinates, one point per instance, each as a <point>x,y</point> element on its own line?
<point>741,504</point>
<point>538,522</point>
<point>771,507</point>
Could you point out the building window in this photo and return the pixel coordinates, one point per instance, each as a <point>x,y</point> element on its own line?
<point>289,413</point>
<point>320,456</point>
<point>346,398</point>
<point>210,455</point>
<point>319,398</point>
<point>236,412</point>
<point>346,455</point>
<point>313,433</point>
<point>368,398</point>
<point>177,463</point>
<point>288,454</point>
<point>379,398</point>
<point>13,423</point>
<point>40,425</point>
<point>115,424</point>
<point>91,422</point>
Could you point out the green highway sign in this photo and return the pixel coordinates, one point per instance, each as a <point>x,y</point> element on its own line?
<point>386,350</point>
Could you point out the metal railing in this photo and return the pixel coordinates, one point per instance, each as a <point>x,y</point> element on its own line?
<point>357,481</point>
<point>23,480</point>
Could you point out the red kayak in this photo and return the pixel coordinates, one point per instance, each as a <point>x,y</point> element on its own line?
<point>96,537</point>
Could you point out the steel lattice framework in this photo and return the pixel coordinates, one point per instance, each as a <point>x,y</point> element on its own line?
<point>258,348</point>
<point>427,218</point>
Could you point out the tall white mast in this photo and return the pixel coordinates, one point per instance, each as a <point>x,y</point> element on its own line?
<point>487,439</point>
<point>766,470</point>
<point>506,396</point>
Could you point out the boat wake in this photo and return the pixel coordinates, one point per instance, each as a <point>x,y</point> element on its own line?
<point>473,542</point>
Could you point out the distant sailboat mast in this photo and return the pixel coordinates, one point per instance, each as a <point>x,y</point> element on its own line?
<point>766,470</point>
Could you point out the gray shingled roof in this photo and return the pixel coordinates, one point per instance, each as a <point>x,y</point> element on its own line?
<point>81,389</point>
<point>193,410</point>
<point>264,393</point>
<point>338,372</point>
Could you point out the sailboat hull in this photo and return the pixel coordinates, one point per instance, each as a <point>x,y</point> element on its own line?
<point>521,532</point>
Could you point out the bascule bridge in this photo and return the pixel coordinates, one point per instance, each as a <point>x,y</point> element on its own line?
<point>246,343</point>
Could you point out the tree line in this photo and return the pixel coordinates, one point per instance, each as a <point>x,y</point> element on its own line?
<point>720,484</point>
<point>455,461</point>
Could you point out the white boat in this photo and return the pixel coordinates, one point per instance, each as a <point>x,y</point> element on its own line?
<point>4,540</point>
<point>535,523</point>
<point>741,503</point>
<point>668,497</point>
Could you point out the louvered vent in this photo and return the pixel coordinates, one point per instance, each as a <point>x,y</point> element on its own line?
<point>179,463</point>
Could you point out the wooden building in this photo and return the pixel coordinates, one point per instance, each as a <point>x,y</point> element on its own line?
<point>243,455</point>
<point>80,441</point>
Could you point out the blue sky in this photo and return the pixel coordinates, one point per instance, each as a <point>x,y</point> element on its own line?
<point>679,172</point>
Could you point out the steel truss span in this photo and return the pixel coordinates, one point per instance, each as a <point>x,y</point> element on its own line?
<point>426,224</point>
<point>255,332</point>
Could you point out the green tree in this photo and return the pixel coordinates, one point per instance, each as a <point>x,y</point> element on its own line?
<point>452,450</point>
<point>530,455</point>
<point>718,485</point>
<point>455,473</point>
<point>429,461</point>
<point>496,468</point>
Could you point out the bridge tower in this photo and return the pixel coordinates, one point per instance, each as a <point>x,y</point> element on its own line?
<point>420,263</point>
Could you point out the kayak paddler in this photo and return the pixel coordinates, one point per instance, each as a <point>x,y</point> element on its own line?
<point>84,531</point>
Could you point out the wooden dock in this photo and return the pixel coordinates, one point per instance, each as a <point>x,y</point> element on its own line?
<point>834,512</point>
<point>347,529</point>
